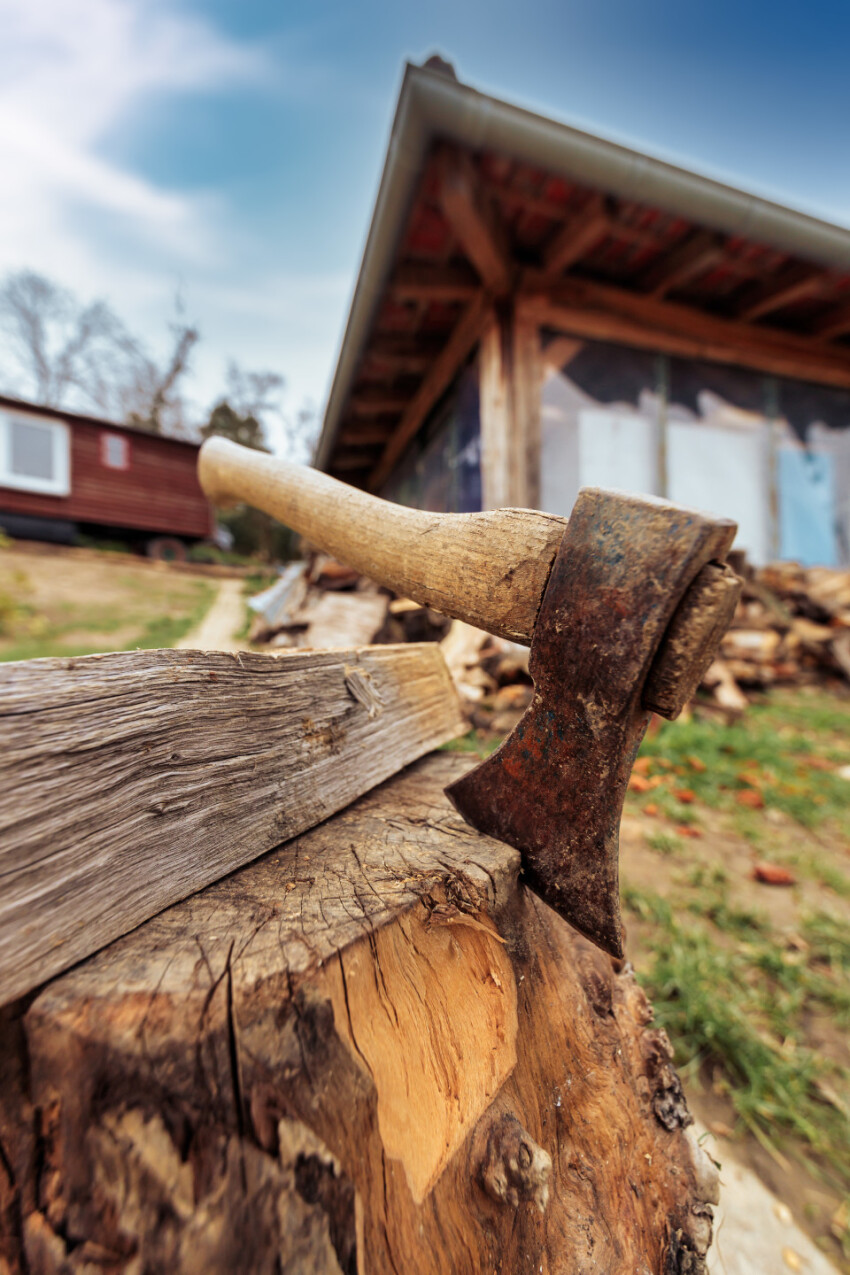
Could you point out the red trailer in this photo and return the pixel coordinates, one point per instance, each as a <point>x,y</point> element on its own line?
<point>62,473</point>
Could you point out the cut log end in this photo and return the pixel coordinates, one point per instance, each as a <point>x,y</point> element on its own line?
<point>370,1051</point>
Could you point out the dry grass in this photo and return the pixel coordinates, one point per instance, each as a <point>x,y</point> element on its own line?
<point>62,602</point>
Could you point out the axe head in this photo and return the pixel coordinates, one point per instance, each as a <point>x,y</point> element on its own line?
<point>555,787</point>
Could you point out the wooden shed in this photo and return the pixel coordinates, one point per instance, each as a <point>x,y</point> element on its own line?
<point>540,309</point>
<point>62,473</point>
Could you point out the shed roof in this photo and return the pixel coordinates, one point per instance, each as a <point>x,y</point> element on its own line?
<point>480,198</point>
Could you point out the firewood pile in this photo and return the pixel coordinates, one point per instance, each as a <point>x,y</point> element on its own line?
<point>792,627</point>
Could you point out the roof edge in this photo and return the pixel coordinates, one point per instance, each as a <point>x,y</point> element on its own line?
<point>433,104</point>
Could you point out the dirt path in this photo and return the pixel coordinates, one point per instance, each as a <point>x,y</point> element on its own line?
<point>224,619</point>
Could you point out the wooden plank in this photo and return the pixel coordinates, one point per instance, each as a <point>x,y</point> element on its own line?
<point>473,219</point>
<point>836,323</point>
<point>128,781</point>
<point>606,313</point>
<point>438,379</point>
<point>373,1050</point>
<point>576,238</point>
<point>510,388</point>
<point>699,252</point>
<point>560,352</point>
<point>794,284</point>
<point>377,402</point>
<point>365,433</point>
<point>415,281</point>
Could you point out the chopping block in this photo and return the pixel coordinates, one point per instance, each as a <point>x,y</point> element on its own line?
<point>370,1051</point>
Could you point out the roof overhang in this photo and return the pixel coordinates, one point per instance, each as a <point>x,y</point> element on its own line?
<point>434,107</point>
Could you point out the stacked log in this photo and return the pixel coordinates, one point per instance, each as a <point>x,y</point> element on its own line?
<point>792,627</point>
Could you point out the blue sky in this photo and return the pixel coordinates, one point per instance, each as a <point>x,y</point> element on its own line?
<point>231,151</point>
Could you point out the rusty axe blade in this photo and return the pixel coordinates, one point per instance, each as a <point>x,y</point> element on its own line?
<point>555,787</point>
<point>624,607</point>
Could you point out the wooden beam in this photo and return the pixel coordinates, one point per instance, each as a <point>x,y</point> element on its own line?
<point>349,459</point>
<point>560,351</point>
<point>473,219</point>
<point>365,433</point>
<point>417,281</point>
<point>792,285</point>
<point>511,374</point>
<point>437,380</point>
<point>129,781</point>
<point>573,240</point>
<point>377,402</point>
<point>699,252</point>
<point>605,313</point>
<point>836,323</point>
<point>402,354</point>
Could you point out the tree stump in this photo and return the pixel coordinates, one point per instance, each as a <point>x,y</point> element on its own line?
<point>371,1051</point>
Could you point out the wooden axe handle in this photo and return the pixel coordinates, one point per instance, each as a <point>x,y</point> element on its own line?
<point>489,569</point>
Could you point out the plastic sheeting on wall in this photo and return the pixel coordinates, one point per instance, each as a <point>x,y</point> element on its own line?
<point>617,450</point>
<point>724,472</point>
<point>807,518</point>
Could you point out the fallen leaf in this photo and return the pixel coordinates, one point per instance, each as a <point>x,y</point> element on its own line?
<point>650,808</point>
<point>688,830</point>
<point>820,763</point>
<point>696,763</point>
<point>638,783</point>
<point>783,1213</point>
<point>749,797</point>
<point>792,1260</point>
<point>685,795</point>
<point>641,766</point>
<point>772,874</point>
<point>751,777</point>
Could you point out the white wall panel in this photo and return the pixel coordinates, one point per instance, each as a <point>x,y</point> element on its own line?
<point>724,472</point>
<point>618,449</point>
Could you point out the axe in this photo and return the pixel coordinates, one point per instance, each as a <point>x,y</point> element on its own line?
<point>623,605</point>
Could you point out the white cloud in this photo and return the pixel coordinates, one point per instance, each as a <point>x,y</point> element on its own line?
<point>74,72</point>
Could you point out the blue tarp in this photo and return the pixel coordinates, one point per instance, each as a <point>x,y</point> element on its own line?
<point>807,523</point>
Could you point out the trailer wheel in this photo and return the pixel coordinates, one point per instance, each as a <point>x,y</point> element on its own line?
<point>166,549</point>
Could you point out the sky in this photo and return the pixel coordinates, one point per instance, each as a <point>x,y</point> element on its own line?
<point>228,152</point>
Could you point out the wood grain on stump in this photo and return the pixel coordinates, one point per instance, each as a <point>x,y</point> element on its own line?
<point>371,1050</point>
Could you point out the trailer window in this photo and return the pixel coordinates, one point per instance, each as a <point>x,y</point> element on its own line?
<point>115,451</point>
<point>34,455</point>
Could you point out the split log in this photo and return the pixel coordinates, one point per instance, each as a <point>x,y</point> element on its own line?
<point>371,1051</point>
<point>128,781</point>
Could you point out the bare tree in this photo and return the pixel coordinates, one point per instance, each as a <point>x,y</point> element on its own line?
<point>65,353</point>
<point>253,393</point>
<point>57,346</point>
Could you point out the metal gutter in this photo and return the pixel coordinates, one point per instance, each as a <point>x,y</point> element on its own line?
<point>432,104</point>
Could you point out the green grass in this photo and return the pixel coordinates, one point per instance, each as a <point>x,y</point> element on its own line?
<point>471,742</point>
<point>666,843</point>
<point>175,612</point>
<point>767,751</point>
<point>738,1012</point>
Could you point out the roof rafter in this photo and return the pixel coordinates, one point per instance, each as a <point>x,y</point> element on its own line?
<point>794,284</point>
<point>698,253</point>
<point>445,367</point>
<point>422,281</point>
<point>570,243</point>
<point>609,313</point>
<point>473,219</point>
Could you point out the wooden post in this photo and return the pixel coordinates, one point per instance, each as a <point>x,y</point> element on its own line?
<point>510,389</point>
<point>372,1051</point>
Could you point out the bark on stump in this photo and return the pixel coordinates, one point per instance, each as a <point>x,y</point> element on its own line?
<point>370,1051</point>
